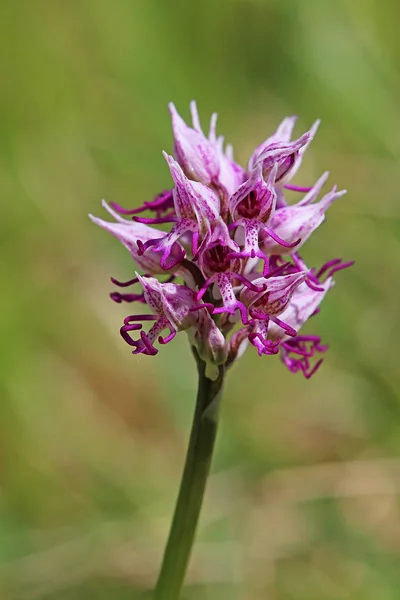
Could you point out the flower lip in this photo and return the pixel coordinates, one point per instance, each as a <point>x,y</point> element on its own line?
<point>275,295</point>
<point>256,197</point>
<point>218,258</point>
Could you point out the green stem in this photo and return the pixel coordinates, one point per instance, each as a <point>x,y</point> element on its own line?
<point>194,478</point>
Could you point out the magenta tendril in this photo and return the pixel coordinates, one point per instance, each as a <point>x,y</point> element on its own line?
<point>171,218</point>
<point>149,346</point>
<point>124,331</point>
<point>124,283</point>
<point>246,282</point>
<point>121,210</point>
<point>160,203</point>
<point>327,265</point>
<point>340,267</point>
<point>277,271</point>
<point>168,338</point>
<point>232,309</point>
<point>117,297</point>
<point>297,188</point>
<point>313,286</point>
<point>289,330</point>
<point>279,240</point>
<point>133,318</point>
<point>208,305</point>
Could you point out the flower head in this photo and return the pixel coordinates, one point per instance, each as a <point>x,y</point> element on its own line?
<point>233,242</point>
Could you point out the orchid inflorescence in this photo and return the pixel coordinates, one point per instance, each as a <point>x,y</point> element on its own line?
<point>234,243</point>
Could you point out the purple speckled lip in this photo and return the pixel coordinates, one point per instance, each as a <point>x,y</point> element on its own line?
<point>230,250</point>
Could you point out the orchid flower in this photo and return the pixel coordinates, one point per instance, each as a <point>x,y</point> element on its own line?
<point>227,271</point>
<point>232,242</point>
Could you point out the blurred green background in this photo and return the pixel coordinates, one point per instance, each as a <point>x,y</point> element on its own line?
<point>303,502</point>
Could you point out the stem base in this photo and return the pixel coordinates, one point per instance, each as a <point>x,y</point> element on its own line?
<point>191,492</point>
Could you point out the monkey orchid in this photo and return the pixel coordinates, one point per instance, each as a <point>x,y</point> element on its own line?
<point>226,270</point>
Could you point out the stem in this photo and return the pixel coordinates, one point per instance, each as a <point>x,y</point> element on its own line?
<point>191,492</point>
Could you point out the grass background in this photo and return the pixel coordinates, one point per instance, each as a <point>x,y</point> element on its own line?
<point>303,502</point>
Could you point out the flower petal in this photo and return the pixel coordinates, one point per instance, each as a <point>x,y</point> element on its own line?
<point>303,304</point>
<point>128,233</point>
<point>194,152</point>
<point>297,222</point>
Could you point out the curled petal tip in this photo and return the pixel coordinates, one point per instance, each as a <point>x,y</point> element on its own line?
<point>172,109</point>
<point>195,116</point>
<point>315,126</point>
<point>169,159</point>
<point>101,223</point>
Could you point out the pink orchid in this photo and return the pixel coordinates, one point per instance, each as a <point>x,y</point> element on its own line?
<point>233,241</point>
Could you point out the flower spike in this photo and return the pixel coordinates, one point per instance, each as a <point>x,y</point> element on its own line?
<point>228,248</point>
<point>232,241</point>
